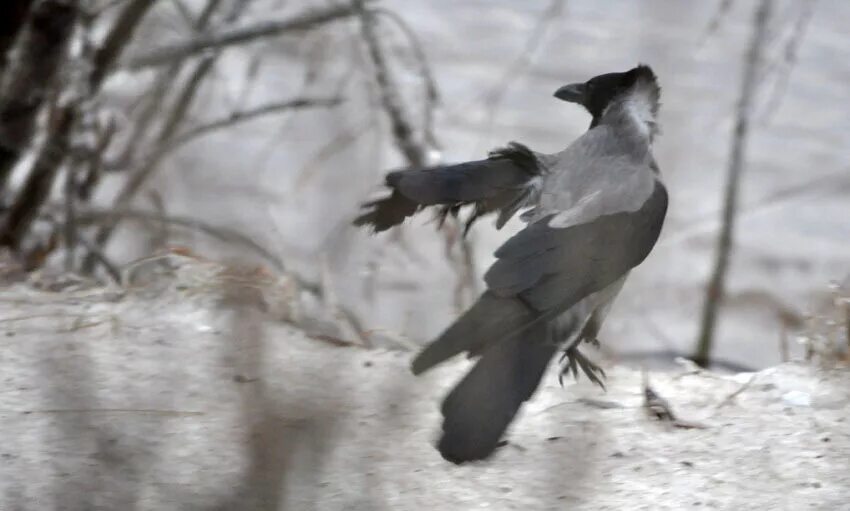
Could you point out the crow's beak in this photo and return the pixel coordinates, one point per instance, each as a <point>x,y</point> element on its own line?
<point>574,93</point>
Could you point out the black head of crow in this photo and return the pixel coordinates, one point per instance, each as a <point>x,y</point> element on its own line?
<point>596,94</point>
<point>594,211</point>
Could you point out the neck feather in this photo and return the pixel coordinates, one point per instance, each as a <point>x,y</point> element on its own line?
<point>635,110</point>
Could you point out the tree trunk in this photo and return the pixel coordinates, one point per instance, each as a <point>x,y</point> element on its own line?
<point>13,16</point>
<point>29,78</point>
<point>39,182</point>
<point>740,138</point>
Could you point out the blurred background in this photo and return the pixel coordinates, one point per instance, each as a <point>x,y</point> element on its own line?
<point>252,130</point>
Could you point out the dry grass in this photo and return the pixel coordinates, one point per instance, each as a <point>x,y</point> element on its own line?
<point>827,333</point>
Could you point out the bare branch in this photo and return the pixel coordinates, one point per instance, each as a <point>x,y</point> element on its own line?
<point>338,143</point>
<point>248,115</point>
<point>111,269</point>
<point>184,12</point>
<point>432,93</point>
<point>120,34</point>
<point>70,224</point>
<point>306,20</point>
<point>731,397</point>
<point>789,59</point>
<point>847,323</point>
<point>110,217</point>
<point>737,162</point>
<point>234,119</point>
<point>402,128</point>
<point>722,10</point>
<point>94,159</point>
<point>94,12</point>
<point>523,61</point>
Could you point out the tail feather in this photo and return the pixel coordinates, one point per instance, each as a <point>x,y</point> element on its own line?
<point>486,321</point>
<point>480,408</point>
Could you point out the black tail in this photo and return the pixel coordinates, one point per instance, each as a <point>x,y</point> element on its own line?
<point>502,182</point>
<point>488,320</point>
<point>480,408</point>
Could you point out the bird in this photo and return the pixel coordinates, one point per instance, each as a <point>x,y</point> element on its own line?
<point>593,212</point>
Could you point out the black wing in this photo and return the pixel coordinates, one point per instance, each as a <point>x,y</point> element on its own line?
<point>501,183</point>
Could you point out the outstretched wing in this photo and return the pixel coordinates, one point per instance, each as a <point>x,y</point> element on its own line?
<point>503,182</point>
<point>550,267</point>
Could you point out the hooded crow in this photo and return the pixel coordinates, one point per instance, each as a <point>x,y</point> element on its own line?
<point>594,212</point>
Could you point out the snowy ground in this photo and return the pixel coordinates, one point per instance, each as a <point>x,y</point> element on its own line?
<point>272,180</point>
<point>185,393</point>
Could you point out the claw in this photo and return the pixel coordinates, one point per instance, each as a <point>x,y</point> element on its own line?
<point>575,359</point>
<point>572,362</point>
<point>591,369</point>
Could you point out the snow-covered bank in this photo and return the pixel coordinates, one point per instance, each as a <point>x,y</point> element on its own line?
<point>188,393</point>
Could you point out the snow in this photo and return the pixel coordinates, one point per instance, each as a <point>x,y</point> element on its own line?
<point>186,393</point>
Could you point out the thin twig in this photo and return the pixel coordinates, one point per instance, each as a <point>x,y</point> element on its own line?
<point>847,323</point>
<point>432,93</point>
<point>110,4</point>
<point>249,115</point>
<point>70,224</point>
<point>836,182</point>
<point>722,10</point>
<point>659,408</point>
<point>493,99</point>
<point>184,12</point>
<point>162,235</point>
<point>402,129</point>
<point>789,59</point>
<point>339,143</point>
<point>728,399</point>
<point>111,269</point>
<point>177,413</point>
<point>80,184</point>
<point>309,19</point>
<point>104,133</point>
<point>116,40</point>
<point>177,141</point>
<point>329,297</point>
<point>91,216</point>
